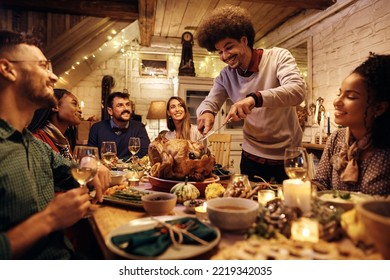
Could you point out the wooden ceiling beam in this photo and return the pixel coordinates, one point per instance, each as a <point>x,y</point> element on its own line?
<point>303,4</point>
<point>147,19</point>
<point>126,10</point>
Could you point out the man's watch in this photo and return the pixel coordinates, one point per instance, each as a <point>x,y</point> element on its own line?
<point>255,97</point>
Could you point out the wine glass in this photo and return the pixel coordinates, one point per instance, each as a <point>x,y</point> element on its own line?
<point>84,164</point>
<point>296,163</point>
<point>134,146</point>
<point>108,152</point>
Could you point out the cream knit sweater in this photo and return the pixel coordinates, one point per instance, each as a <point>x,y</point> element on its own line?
<point>268,130</point>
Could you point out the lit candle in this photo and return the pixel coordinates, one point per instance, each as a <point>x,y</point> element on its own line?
<point>263,196</point>
<point>82,105</point>
<point>305,229</point>
<point>297,193</point>
<point>327,114</point>
<point>316,113</point>
<point>321,126</point>
<point>201,212</point>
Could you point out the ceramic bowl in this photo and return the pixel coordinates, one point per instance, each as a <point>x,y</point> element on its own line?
<point>375,215</point>
<point>232,214</point>
<point>159,203</point>
<point>327,198</point>
<point>117,177</point>
<point>190,205</point>
<point>164,185</point>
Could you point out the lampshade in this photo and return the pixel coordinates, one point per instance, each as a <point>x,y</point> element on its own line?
<point>157,110</point>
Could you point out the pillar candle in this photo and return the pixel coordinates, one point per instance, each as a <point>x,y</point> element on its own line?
<point>297,193</point>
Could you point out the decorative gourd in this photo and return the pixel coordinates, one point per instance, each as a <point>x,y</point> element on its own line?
<point>185,191</point>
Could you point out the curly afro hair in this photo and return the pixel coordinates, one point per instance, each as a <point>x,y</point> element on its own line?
<point>375,72</point>
<point>225,22</point>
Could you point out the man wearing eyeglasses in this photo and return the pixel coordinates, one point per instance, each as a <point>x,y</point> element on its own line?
<point>32,219</point>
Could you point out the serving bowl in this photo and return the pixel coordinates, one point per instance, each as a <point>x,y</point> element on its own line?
<point>165,185</point>
<point>232,214</point>
<point>158,203</point>
<point>117,177</point>
<point>329,198</point>
<point>375,215</point>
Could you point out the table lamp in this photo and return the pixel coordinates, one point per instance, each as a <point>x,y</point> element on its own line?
<point>157,111</point>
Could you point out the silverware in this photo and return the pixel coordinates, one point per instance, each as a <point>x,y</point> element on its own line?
<point>215,130</point>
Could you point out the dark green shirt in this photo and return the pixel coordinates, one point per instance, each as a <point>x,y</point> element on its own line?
<point>28,169</point>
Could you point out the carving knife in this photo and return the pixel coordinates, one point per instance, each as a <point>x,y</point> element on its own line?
<point>215,130</point>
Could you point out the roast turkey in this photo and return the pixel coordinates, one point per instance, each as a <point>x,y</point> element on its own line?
<point>177,158</point>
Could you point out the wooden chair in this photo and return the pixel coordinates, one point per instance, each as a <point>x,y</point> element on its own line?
<point>220,147</point>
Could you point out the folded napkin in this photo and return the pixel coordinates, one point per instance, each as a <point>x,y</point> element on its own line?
<point>154,242</point>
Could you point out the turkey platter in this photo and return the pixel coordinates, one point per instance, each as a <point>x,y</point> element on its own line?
<point>177,158</point>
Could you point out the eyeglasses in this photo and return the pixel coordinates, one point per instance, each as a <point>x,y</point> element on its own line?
<point>45,64</point>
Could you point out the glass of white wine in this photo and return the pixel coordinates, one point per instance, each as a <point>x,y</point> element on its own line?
<point>108,153</point>
<point>84,164</point>
<point>134,146</point>
<point>296,163</point>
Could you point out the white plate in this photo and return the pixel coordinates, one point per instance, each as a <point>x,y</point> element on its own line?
<point>185,251</point>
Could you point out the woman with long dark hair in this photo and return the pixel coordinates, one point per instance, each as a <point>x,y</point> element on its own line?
<point>357,156</point>
<point>178,121</point>
<point>58,126</point>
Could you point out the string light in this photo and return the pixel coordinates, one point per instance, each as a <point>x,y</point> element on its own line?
<point>132,50</point>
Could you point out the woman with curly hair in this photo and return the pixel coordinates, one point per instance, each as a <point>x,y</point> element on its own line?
<point>357,156</point>
<point>265,85</point>
<point>178,121</point>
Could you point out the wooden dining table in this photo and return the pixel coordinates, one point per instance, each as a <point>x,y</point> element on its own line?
<point>106,217</point>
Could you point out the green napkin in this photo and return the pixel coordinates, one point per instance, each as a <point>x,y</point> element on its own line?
<point>151,243</point>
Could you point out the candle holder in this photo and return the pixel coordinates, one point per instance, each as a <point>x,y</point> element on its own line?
<point>305,229</point>
<point>201,212</point>
<point>263,196</point>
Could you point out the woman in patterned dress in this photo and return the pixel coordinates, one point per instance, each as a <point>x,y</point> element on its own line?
<point>357,156</point>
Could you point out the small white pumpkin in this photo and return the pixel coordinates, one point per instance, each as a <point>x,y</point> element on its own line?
<point>185,191</point>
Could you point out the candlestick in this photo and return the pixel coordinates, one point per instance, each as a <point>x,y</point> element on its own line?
<point>297,193</point>
<point>263,196</point>
<point>305,229</point>
<point>321,127</point>
<point>327,114</point>
<point>316,113</point>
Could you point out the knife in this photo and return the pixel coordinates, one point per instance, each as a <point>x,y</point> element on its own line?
<point>215,130</point>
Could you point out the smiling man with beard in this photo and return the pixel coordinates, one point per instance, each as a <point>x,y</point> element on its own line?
<point>119,128</point>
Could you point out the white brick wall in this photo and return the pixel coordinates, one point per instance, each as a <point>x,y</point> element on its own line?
<point>341,41</point>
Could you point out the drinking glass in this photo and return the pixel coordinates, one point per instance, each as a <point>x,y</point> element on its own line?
<point>108,153</point>
<point>296,163</point>
<point>134,146</point>
<point>84,164</point>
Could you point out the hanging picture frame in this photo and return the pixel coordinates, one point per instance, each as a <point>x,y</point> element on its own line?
<point>154,68</point>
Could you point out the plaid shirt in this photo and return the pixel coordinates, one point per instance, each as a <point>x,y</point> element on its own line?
<point>28,169</point>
